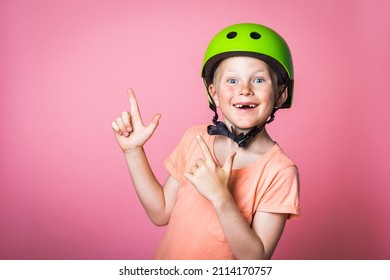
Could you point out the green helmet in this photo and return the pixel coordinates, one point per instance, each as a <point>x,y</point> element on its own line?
<point>254,40</point>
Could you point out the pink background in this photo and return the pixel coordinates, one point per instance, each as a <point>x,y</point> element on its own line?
<point>65,192</point>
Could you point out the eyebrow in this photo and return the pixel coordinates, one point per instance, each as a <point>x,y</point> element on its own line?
<point>256,71</point>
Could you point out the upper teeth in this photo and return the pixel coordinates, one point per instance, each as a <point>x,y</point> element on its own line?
<point>250,105</point>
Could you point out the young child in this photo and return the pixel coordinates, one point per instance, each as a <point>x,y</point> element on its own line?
<point>231,188</point>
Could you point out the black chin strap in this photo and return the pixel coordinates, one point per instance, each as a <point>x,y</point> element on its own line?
<point>220,128</point>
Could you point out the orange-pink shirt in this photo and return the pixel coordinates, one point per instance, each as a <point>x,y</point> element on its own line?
<point>270,184</point>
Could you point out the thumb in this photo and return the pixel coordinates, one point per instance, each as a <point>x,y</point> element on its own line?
<point>154,123</point>
<point>227,167</point>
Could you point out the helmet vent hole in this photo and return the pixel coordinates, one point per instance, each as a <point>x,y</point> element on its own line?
<point>231,35</point>
<point>255,35</point>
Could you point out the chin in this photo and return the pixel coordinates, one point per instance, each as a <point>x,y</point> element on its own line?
<point>244,129</point>
<point>238,128</point>
<point>241,126</point>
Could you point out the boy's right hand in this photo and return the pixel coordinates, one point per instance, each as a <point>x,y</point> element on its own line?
<point>130,131</point>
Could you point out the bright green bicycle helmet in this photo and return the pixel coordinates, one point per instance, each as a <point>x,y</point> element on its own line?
<point>254,40</point>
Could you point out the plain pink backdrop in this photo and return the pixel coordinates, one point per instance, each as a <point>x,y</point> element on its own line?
<point>65,192</point>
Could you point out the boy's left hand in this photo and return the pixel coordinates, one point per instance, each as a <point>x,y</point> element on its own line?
<point>208,178</point>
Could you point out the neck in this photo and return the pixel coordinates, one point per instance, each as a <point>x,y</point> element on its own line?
<point>261,143</point>
<point>241,138</point>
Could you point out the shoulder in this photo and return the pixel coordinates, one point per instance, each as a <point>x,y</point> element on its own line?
<point>279,165</point>
<point>185,149</point>
<point>192,131</point>
<point>188,139</point>
<point>196,129</point>
<point>279,158</point>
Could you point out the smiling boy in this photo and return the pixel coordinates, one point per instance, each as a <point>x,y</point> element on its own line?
<point>246,91</point>
<point>231,187</point>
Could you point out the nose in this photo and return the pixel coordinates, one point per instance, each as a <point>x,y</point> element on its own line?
<point>246,90</point>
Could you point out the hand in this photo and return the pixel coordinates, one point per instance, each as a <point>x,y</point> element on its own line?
<point>208,178</point>
<point>130,132</point>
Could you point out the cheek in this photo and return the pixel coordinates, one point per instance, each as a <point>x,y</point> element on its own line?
<point>223,101</point>
<point>269,95</point>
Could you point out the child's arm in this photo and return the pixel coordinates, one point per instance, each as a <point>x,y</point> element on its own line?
<point>256,242</point>
<point>131,135</point>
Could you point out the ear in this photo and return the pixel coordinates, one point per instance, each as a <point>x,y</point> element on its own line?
<point>282,97</point>
<point>213,92</point>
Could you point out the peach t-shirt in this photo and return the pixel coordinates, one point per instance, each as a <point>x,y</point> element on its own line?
<point>270,184</point>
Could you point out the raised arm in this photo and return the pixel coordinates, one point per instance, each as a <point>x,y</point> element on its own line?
<point>132,134</point>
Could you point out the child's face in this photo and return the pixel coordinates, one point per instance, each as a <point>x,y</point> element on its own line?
<point>246,91</point>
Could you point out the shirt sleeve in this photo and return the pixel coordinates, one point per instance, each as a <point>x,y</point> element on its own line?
<point>175,163</point>
<point>282,196</point>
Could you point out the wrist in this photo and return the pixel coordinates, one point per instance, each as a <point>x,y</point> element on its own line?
<point>133,151</point>
<point>223,201</point>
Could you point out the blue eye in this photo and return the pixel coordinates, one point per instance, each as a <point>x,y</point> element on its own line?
<point>258,80</point>
<point>232,81</point>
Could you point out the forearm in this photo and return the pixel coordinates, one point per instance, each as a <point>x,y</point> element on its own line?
<point>243,241</point>
<point>148,189</point>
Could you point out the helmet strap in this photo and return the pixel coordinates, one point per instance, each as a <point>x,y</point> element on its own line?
<point>220,128</point>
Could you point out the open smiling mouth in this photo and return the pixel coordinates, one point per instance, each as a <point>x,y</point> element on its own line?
<point>245,106</point>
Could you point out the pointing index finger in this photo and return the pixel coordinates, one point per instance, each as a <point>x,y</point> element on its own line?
<point>133,103</point>
<point>205,149</point>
